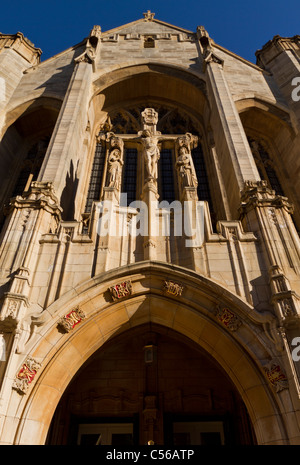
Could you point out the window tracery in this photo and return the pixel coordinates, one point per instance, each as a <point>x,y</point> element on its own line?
<point>126,124</point>
<point>265,164</point>
<point>130,174</point>
<point>166,176</point>
<point>96,176</point>
<point>31,166</point>
<point>170,120</point>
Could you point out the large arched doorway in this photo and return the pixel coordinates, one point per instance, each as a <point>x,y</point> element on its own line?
<point>188,321</point>
<point>151,384</point>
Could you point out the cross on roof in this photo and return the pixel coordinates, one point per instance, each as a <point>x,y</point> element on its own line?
<point>148,16</point>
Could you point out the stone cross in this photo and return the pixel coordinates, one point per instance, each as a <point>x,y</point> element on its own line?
<point>148,16</point>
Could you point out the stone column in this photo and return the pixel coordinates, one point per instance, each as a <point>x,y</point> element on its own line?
<point>107,212</point>
<point>235,157</point>
<point>150,198</point>
<point>65,147</point>
<point>150,141</point>
<point>29,216</point>
<point>269,216</point>
<point>193,221</point>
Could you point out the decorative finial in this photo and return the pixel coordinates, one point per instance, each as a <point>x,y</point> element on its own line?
<point>148,16</point>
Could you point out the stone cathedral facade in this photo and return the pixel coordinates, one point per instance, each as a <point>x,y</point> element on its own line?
<point>149,251</point>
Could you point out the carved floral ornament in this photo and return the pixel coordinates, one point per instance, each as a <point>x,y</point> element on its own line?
<point>71,319</point>
<point>26,375</point>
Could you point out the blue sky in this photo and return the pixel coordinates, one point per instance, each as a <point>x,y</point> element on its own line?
<point>240,26</point>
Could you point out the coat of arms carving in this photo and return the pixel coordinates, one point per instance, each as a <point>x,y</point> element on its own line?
<point>71,319</point>
<point>121,290</point>
<point>26,375</point>
<point>228,318</point>
<point>276,376</point>
<point>173,288</point>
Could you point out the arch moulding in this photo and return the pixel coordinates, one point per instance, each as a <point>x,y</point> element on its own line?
<point>241,349</point>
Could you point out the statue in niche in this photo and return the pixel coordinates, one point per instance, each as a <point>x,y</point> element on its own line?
<point>115,163</point>
<point>184,163</point>
<point>151,153</point>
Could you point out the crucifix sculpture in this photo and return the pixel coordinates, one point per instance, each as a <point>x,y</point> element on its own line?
<point>151,153</point>
<point>151,140</point>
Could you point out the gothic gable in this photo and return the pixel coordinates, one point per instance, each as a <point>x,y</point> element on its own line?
<point>147,26</point>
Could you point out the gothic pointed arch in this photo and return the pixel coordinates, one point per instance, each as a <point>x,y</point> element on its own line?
<point>24,145</point>
<point>177,114</point>
<point>198,309</point>
<point>270,131</point>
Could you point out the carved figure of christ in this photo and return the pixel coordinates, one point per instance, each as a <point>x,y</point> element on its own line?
<point>151,149</point>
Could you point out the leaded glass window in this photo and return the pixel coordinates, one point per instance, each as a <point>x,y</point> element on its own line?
<point>94,191</point>
<point>31,166</point>
<point>130,174</point>
<point>203,189</point>
<point>200,168</point>
<point>265,165</point>
<point>166,171</point>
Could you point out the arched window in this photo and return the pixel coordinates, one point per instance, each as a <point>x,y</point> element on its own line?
<point>130,174</point>
<point>200,168</point>
<point>31,166</point>
<point>96,177</point>
<point>166,176</point>
<point>265,164</point>
<point>203,189</point>
<point>172,122</point>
